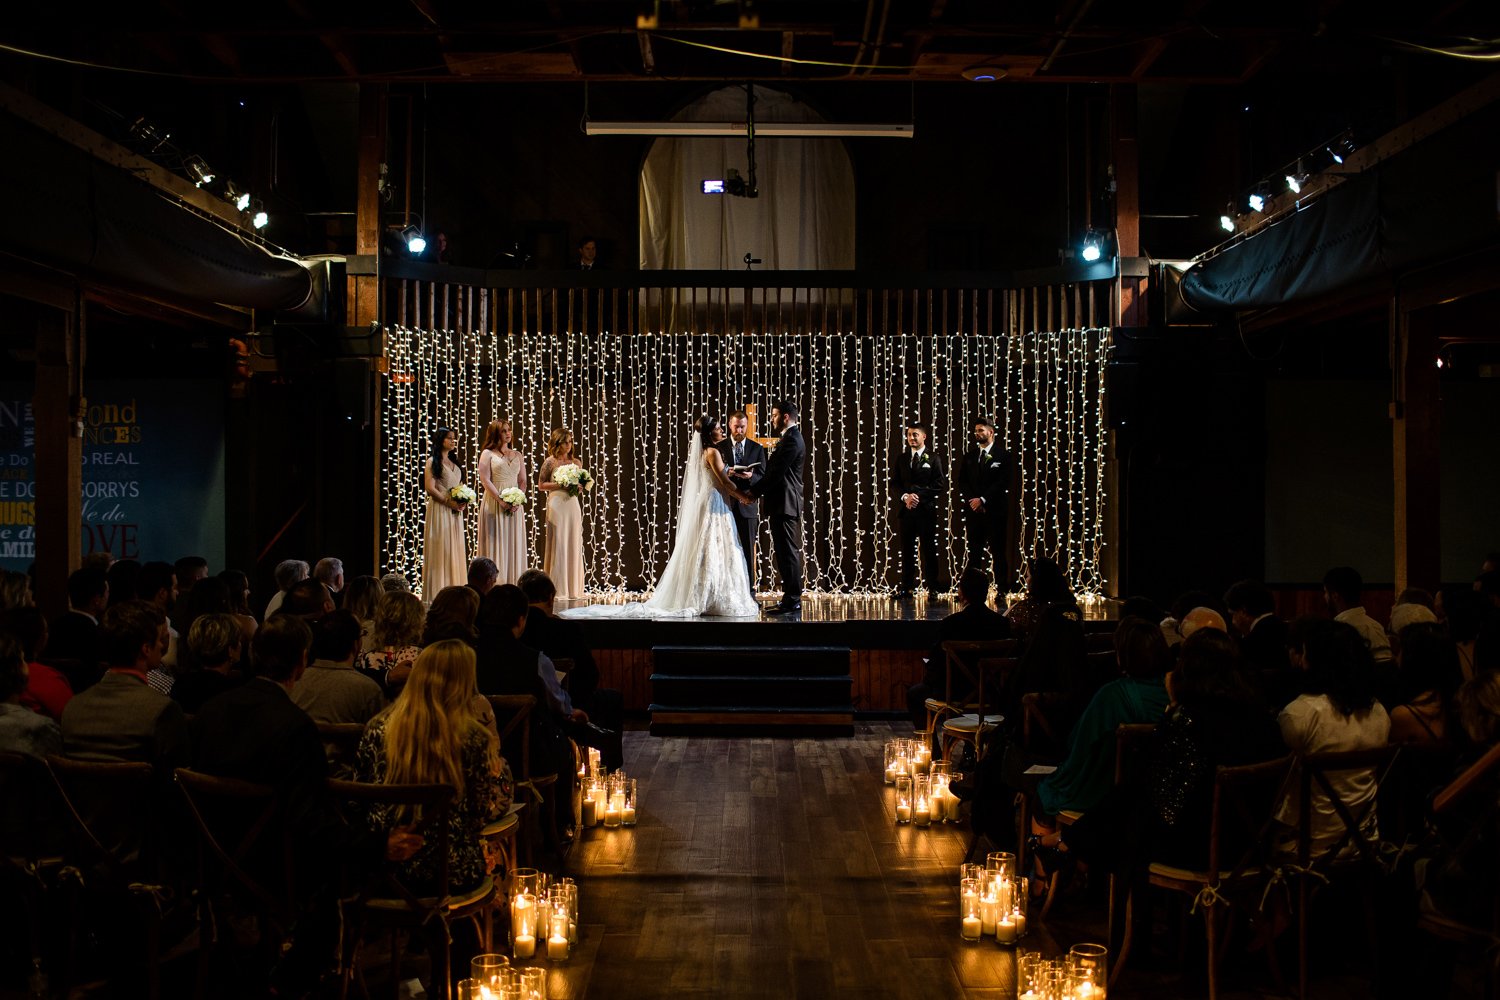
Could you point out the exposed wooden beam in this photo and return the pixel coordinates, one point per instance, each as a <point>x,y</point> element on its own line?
<point>648,58</point>
<point>788,39</point>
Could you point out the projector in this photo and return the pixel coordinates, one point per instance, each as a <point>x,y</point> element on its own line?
<point>731,183</point>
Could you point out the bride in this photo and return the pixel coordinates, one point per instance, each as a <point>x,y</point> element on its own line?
<point>705,575</point>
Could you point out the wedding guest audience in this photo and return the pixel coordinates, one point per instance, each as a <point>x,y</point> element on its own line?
<point>974,621</point>
<point>483,573</point>
<point>1337,710</point>
<point>122,575</point>
<point>255,733</point>
<point>1404,615</point>
<point>157,584</point>
<point>1427,681</point>
<point>122,717</point>
<point>505,665</point>
<point>1055,659</point>
<point>331,690</point>
<point>100,559</point>
<point>1252,613</point>
<point>237,586</point>
<point>287,573</point>
<point>393,583</point>
<point>73,636</point>
<point>15,590</point>
<point>307,599</point>
<point>361,598</point>
<point>21,729</point>
<point>1342,587</point>
<point>329,571</point>
<point>188,571</point>
<point>213,646</point>
<point>1171,626</point>
<point>1046,585</point>
<point>561,639</point>
<point>208,597</point>
<point>395,641</point>
<point>47,688</point>
<point>451,615</point>
<point>1200,618</point>
<point>431,735</point>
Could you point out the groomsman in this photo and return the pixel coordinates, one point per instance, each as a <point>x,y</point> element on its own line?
<point>919,483</point>
<point>983,477</point>
<point>738,449</point>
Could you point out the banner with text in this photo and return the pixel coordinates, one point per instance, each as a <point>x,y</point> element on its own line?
<point>153,471</point>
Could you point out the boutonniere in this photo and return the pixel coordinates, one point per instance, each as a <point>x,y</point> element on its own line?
<point>926,461</point>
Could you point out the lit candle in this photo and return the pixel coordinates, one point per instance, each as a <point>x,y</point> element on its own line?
<point>972,928</point>
<point>525,945</point>
<point>627,816</point>
<point>1020,922</point>
<point>903,812</point>
<point>557,940</point>
<point>952,802</point>
<point>1005,930</point>
<point>922,814</point>
<point>590,809</point>
<point>989,911</point>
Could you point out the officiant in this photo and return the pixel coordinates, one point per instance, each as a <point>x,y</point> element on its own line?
<point>740,450</point>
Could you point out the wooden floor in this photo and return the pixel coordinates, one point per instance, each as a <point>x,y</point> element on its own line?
<point>769,867</point>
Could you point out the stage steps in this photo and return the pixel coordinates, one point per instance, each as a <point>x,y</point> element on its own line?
<point>751,689</point>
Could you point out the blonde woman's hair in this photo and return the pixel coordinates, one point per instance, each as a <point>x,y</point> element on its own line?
<point>398,619</point>
<point>492,435</point>
<point>560,436</point>
<point>212,637</point>
<point>426,727</point>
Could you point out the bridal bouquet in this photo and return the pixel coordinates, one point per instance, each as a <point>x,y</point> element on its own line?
<point>574,478</point>
<point>461,495</point>
<point>513,496</point>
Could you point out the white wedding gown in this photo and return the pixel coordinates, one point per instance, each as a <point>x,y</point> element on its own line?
<point>705,575</point>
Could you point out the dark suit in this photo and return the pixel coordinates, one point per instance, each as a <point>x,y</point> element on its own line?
<point>73,637</point>
<point>746,515</point>
<point>781,492</point>
<point>972,623</point>
<point>985,479</point>
<point>917,527</point>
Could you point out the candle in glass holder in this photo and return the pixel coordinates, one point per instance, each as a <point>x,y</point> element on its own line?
<point>614,805</point>
<point>533,983</point>
<point>523,923</point>
<point>903,798</point>
<point>1005,929</point>
<point>488,970</point>
<point>989,907</point>
<point>590,815</point>
<point>557,937</point>
<point>892,759</point>
<point>1088,968</point>
<point>968,896</point>
<point>921,800</point>
<point>627,815</point>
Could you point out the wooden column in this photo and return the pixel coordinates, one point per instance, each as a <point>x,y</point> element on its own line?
<point>1125,158</point>
<point>1416,422</point>
<point>364,290</point>
<point>57,412</point>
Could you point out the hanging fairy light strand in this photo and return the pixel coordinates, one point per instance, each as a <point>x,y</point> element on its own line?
<point>631,400</point>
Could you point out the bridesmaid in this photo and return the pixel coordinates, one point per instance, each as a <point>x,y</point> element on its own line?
<point>562,559</point>
<point>443,561</point>
<point>502,526</point>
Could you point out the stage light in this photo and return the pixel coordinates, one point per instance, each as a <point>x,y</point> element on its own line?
<point>198,170</point>
<point>232,194</point>
<point>1226,222</point>
<point>1296,179</point>
<point>415,242</point>
<point>242,202</point>
<point>1095,245</point>
<point>1258,198</point>
<point>260,219</point>
<point>1340,148</point>
<point>1091,251</point>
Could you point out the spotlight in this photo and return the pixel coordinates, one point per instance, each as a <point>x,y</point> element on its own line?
<point>1258,198</point>
<point>260,219</point>
<point>148,135</point>
<point>1340,148</point>
<point>1226,222</point>
<point>1093,247</point>
<point>232,194</point>
<point>242,201</point>
<point>1294,181</point>
<point>415,242</point>
<point>198,170</point>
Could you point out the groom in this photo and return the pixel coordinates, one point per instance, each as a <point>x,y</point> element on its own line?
<point>781,492</point>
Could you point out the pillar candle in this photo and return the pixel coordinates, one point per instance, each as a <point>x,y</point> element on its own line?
<point>903,813</point>
<point>989,912</point>
<point>590,810</point>
<point>627,816</point>
<point>1005,930</point>
<point>972,928</point>
<point>557,947</point>
<point>525,946</point>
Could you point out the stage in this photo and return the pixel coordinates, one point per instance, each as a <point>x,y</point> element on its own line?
<point>883,641</point>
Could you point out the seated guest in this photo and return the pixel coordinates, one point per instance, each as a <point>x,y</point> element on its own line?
<point>237,584</point>
<point>1201,618</point>
<point>307,599</point>
<point>361,599</point>
<point>1262,635</point>
<point>329,571</point>
<point>121,717</point>
<point>213,646</point>
<point>47,688</point>
<point>508,666</point>
<point>1046,586</point>
<point>122,576</point>
<point>483,574</point>
<point>74,634</point>
<point>288,572</point>
<point>1478,713</point>
<point>974,621</point>
<point>157,584</point>
<point>21,729</point>
<point>561,639</point>
<point>395,641</point>
<point>451,616</point>
<point>15,590</point>
<point>430,735</point>
<point>395,583</point>
<point>1139,695</point>
<point>1404,614</point>
<point>1415,595</point>
<point>188,571</point>
<point>1427,681</point>
<point>1337,710</point>
<point>1342,589</point>
<point>1171,626</point>
<point>208,597</point>
<point>255,733</point>
<point>1055,660</point>
<point>1463,610</point>
<point>331,690</point>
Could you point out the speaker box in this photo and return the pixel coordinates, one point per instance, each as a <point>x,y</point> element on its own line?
<point>353,391</point>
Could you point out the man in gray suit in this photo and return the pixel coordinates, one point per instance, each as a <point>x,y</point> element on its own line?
<point>740,450</point>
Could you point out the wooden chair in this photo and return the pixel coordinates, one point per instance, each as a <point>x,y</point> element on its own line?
<point>387,901</point>
<point>1366,861</point>
<point>240,835</point>
<point>29,857</point>
<point>340,744</point>
<point>975,676</point>
<point>1439,925</point>
<point>513,717</point>
<point>1244,798</point>
<point>109,845</point>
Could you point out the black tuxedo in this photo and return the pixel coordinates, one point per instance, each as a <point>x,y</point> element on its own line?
<point>986,480</point>
<point>781,491</point>
<point>925,477</point>
<point>746,515</point>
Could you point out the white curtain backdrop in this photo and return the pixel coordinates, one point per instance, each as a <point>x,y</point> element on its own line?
<point>803,219</point>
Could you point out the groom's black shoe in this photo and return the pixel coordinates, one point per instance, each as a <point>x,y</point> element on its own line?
<point>784,608</point>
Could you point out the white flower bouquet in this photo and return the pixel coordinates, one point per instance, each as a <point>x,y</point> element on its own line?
<point>513,496</point>
<point>461,495</point>
<point>574,478</point>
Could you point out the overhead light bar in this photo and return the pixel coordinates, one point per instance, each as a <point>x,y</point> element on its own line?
<point>763,130</point>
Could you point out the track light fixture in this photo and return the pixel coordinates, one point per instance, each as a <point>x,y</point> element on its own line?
<point>1226,221</point>
<point>198,170</point>
<point>1093,247</point>
<point>1258,198</point>
<point>1296,179</point>
<point>416,243</point>
<point>259,219</point>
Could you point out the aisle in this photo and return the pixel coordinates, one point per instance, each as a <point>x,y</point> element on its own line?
<point>771,867</point>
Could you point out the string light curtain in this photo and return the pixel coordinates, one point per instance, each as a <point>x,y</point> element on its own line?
<point>631,400</point>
